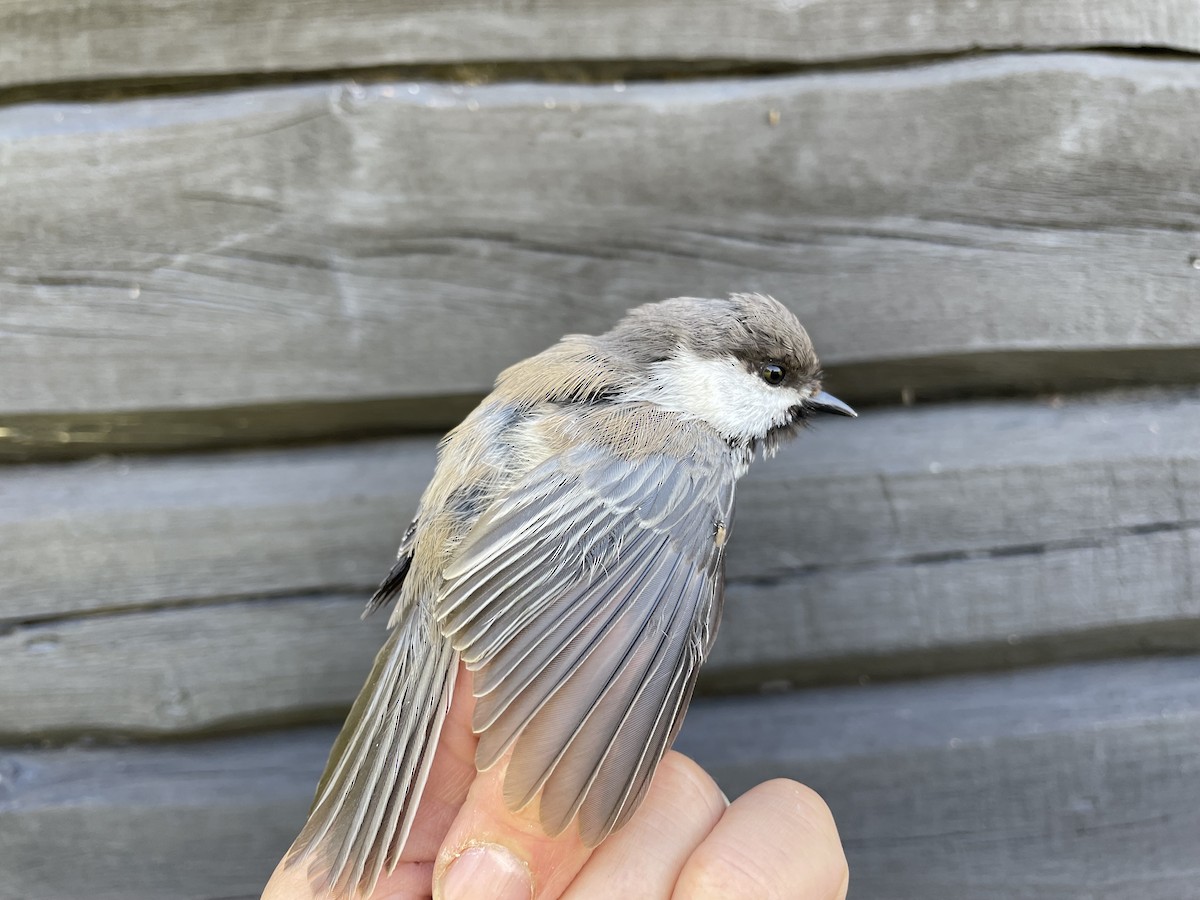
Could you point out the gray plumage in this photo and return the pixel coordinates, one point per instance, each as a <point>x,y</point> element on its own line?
<point>570,552</point>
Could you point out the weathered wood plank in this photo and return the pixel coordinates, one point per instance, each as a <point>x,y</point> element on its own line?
<point>58,41</point>
<point>186,670</point>
<point>124,534</point>
<point>215,668</point>
<point>47,437</point>
<point>307,245</point>
<point>932,483</point>
<point>1114,595</point>
<point>935,482</point>
<point>200,821</point>
<point>1078,782</point>
<point>909,541</point>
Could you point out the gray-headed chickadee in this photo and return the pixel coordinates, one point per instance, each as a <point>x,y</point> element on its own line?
<point>570,551</point>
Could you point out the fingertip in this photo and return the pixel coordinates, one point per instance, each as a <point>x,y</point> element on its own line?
<point>844,888</point>
<point>694,786</point>
<point>549,863</point>
<point>778,839</point>
<point>804,813</point>
<point>645,857</point>
<point>809,805</point>
<point>485,870</point>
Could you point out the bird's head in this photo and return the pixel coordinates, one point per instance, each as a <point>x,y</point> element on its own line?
<point>743,364</point>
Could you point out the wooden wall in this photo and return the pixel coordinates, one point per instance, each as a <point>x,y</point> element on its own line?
<point>254,255</point>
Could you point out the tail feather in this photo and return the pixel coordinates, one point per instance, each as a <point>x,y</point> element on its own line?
<point>368,796</point>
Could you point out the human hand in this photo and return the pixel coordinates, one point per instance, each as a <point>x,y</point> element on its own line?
<point>686,840</point>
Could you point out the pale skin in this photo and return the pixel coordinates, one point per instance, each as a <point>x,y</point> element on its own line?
<point>776,842</point>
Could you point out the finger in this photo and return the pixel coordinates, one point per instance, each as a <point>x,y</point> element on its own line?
<point>450,777</point>
<point>776,841</point>
<point>645,857</point>
<point>492,852</point>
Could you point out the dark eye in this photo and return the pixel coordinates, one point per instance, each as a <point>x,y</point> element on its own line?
<point>772,373</point>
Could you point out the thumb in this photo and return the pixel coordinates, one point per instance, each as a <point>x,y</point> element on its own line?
<point>491,852</point>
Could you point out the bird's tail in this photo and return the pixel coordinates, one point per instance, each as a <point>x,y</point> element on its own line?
<point>368,795</point>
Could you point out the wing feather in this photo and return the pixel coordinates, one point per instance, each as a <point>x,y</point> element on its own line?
<point>634,624</point>
<point>368,797</point>
<point>498,609</point>
<point>553,655</point>
<point>584,602</point>
<point>645,736</point>
<point>580,762</point>
<point>390,589</point>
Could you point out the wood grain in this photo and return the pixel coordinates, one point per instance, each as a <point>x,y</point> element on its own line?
<point>1077,782</point>
<point>107,39</point>
<point>933,483</point>
<point>187,670</point>
<point>1113,596</point>
<point>1074,782</point>
<point>126,534</point>
<point>205,820</point>
<point>920,540</point>
<point>342,243</point>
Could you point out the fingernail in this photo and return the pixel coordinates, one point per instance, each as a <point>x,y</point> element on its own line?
<point>487,872</point>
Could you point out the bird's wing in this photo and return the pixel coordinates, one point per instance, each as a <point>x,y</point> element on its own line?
<point>390,588</point>
<point>369,793</point>
<point>584,602</point>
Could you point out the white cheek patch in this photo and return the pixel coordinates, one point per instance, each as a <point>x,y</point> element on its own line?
<point>719,391</point>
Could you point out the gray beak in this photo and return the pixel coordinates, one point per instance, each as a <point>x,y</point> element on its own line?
<point>828,403</point>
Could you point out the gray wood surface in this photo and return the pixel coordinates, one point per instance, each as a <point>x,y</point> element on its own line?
<point>939,482</point>
<point>336,243</point>
<point>1074,782</point>
<point>1077,782</point>
<point>113,534</point>
<point>248,664</point>
<point>206,820</point>
<point>910,540</point>
<point>59,41</point>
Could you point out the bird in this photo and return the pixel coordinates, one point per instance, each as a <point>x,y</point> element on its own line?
<point>569,552</point>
